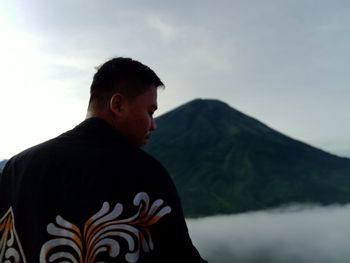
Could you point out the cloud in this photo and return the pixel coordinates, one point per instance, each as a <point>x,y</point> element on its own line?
<point>303,234</point>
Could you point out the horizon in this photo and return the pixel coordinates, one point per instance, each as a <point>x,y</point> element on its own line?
<point>221,101</point>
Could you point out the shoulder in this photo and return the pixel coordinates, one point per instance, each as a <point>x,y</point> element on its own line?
<point>39,151</point>
<point>150,160</point>
<point>147,168</point>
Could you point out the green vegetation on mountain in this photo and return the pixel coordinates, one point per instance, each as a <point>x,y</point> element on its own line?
<point>223,161</point>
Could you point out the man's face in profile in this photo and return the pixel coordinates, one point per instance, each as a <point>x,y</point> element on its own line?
<point>137,122</point>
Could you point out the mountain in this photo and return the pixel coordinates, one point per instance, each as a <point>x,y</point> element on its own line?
<point>223,161</point>
<point>2,164</point>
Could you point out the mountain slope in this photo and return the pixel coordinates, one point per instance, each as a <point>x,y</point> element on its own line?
<point>223,161</point>
<point>2,164</point>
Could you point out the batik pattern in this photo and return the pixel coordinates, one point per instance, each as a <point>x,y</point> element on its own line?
<point>10,247</point>
<point>103,232</point>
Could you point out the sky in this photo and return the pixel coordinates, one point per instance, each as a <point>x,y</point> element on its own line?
<point>283,62</point>
<point>303,234</point>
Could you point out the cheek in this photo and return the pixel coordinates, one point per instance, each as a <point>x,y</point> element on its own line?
<point>143,122</point>
<point>148,122</point>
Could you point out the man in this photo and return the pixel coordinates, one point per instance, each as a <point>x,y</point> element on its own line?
<point>91,195</point>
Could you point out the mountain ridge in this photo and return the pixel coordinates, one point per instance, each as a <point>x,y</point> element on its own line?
<point>218,102</point>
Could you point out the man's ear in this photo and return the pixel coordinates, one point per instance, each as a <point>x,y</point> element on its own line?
<point>116,103</point>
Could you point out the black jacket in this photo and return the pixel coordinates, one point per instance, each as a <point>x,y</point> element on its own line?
<point>89,196</point>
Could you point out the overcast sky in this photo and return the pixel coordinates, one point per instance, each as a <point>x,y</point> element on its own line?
<point>284,62</point>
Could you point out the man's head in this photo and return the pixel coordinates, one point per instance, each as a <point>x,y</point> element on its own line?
<point>124,93</point>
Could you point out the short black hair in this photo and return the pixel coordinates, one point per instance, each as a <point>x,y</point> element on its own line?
<point>125,75</point>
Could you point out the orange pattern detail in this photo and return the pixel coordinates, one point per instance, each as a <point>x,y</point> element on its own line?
<point>102,233</point>
<point>10,247</point>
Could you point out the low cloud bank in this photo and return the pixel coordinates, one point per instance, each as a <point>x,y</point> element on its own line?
<point>295,234</point>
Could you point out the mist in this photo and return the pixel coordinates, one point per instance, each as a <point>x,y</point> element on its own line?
<point>294,234</point>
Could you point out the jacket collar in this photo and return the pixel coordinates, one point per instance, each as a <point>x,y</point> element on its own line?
<point>99,129</point>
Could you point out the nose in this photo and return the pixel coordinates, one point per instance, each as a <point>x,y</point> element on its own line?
<point>153,125</point>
